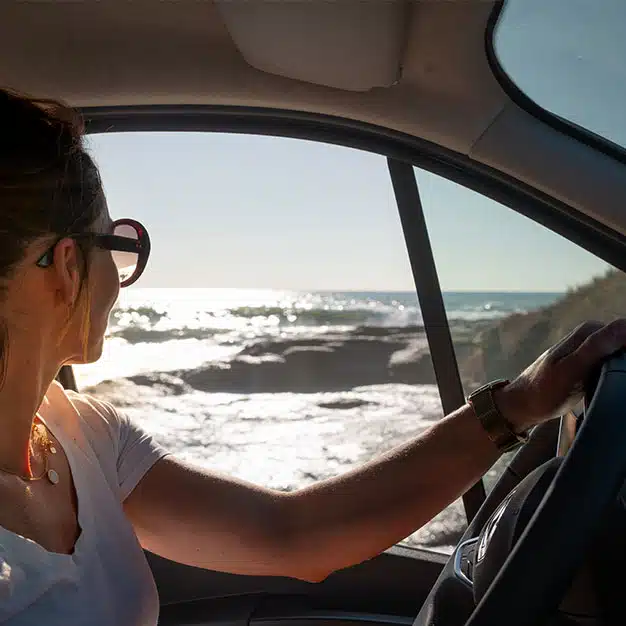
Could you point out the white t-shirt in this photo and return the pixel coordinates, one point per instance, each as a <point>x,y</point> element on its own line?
<point>106,580</point>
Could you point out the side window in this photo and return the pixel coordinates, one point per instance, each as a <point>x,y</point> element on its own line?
<point>275,334</point>
<point>512,288</point>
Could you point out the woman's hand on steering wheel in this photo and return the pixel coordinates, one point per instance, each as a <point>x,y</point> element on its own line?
<point>554,383</point>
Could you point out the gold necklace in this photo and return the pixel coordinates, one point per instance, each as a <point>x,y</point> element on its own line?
<point>52,475</point>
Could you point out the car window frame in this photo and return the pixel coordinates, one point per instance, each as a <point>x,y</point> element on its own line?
<point>403,153</point>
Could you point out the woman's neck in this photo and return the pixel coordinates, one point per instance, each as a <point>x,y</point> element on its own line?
<point>25,385</point>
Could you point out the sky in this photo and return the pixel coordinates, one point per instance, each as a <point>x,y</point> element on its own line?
<point>251,211</point>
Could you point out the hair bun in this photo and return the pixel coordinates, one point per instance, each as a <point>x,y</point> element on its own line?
<point>36,133</point>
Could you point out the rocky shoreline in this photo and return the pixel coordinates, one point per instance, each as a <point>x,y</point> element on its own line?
<point>328,362</point>
<point>337,360</point>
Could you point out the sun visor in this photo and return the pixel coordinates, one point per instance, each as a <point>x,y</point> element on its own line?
<point>354,45</point>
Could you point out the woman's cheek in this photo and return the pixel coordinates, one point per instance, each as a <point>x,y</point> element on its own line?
<point>113,281</point>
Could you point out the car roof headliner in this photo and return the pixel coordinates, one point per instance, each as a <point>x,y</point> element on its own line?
<point>147,52</point>
<point>419,67</point>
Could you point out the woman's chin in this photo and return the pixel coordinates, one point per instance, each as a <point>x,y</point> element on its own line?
<point>92,355</point>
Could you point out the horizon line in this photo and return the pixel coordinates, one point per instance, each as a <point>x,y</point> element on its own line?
<point>357,290</point>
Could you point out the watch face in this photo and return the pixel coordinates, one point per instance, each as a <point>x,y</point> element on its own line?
<point>500,382</point>
<point>496,427</point>
<point>494,384</point>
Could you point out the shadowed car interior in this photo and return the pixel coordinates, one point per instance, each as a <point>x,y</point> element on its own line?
<point>448,97</point>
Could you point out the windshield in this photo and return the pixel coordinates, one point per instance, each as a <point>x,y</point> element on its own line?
<point>568,57</point>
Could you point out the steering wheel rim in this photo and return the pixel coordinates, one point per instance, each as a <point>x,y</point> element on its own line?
<point>560,530</point>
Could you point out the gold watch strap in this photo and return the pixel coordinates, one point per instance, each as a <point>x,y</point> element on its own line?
<point>494,423</point>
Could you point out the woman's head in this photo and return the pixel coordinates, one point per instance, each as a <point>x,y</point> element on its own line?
<point>51,199</point>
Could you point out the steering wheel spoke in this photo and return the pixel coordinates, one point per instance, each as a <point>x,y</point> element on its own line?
<point>464,561</point>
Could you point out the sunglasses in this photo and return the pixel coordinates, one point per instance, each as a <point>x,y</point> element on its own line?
<point>129,244</point>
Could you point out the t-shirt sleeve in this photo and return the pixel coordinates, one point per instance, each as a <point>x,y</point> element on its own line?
<point>120,443</point>
<point>137,453</point>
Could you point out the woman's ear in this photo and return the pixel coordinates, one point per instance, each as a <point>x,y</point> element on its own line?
<point>67,266</point>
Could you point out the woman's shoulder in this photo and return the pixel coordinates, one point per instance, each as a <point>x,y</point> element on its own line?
<point>96,417</point>
<point>125,451</point>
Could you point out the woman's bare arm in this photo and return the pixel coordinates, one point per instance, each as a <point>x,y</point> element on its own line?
<point>200,518</point>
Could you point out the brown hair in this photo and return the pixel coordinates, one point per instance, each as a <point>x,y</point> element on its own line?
<point>49,185</point>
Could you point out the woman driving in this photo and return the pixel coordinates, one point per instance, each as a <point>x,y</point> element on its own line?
<point>83,489</point>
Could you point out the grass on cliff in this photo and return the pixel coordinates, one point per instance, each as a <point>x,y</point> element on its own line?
<point>503,349</point>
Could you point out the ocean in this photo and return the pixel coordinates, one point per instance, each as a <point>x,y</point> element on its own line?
<point>283,388</point>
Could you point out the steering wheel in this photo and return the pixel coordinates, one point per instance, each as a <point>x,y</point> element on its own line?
<point>538,570</point>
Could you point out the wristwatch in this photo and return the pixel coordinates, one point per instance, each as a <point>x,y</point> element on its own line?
<point>494,423</point>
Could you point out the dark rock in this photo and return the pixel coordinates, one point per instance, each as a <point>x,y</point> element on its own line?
<point>134,334</point>
<point>278,346</point>
<point>331,362</point>
<point>161,381</point>
<point>344,403</point>
<point>128,393</point>
<point>387,331</point>
<point>412,365</point>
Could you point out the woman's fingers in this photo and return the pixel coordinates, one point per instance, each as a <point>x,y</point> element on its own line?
<point>574,340</point>
<point>598,346</point>
<point>555,381</point>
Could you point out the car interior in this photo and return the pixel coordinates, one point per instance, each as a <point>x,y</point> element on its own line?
<point>420,83</point>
